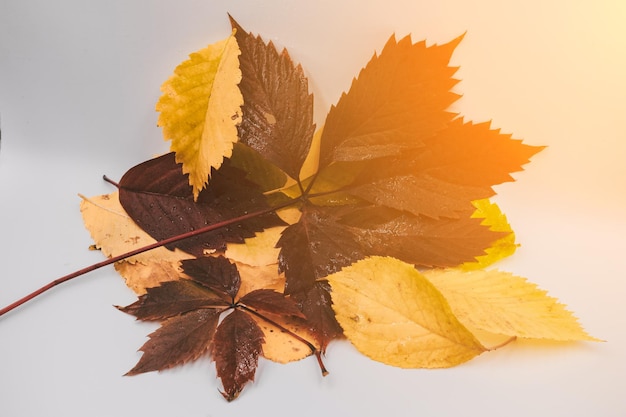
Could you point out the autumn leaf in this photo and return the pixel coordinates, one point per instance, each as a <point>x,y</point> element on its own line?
<point>200,108</point>
<point>278,109</point>
<point>180,339</point>
<point>457,166</point>
<point>259,250</point>
<point>392,314</point>
<point>236,351</point>
<point>115,233</point>
<point>398,100</point>
<point>492,216</point>
<point>502,303</point>
<point>156,195</point>
<point>201,315</point>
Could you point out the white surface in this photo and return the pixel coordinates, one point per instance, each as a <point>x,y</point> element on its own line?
<point>78,83</point>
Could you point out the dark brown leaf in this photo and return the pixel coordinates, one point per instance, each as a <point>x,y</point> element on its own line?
<point>420,240</point>
<point>417,192</point>
<point>216,273</point>
<point>157,196</point>
<point>278,109</point>
<point>315,247</point>
<point>236,349</point>
<point>271,301</point>
<point>172,298</point>
<point>316,305</point>
<point>179,340</point>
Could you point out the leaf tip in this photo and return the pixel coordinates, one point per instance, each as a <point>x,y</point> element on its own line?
<point>231,395</point>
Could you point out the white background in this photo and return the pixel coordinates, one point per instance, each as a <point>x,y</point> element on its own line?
<point>78,84</point>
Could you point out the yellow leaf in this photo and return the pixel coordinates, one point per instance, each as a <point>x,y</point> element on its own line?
<point>281,347</point>
<point>259,250</point>
<point>200,109</point>
<point>496,220</point>
<point>139,276</point>
<point>502,303</point>
<point>392,314</point>
<point>115,233</point>
<point>311,163</point>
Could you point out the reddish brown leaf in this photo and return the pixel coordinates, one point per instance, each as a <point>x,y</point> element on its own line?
<point>316,305</point>
<point>172,298</point>
<point>157,196</point>
<point>278,109</point>
<point>216,273</point>
<point>236,349</point>
<point>420,240</point>
<point>315,247</point>
<point>179,340</point>
<point>416,192</point>
<point>271,301</point>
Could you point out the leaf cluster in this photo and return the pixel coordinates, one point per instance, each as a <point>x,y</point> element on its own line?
<point>203,314</point>
<point>329,225</point>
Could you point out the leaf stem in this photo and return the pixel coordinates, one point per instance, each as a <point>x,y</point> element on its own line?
<point>143,249</point>
<point>110,181</point>
<point>310,345</point>
<point>506,342</point>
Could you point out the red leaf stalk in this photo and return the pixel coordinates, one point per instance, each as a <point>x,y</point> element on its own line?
<point>146,248</point>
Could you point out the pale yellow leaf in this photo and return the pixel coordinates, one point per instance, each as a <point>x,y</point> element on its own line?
<point>200,109</point>
<point>496,220</point>
<point>139,276</point>
<point>259,277</point>
<point>280,346</point>
<point>502,303</point>
<point>115,233</point>
<point>392,314</point>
